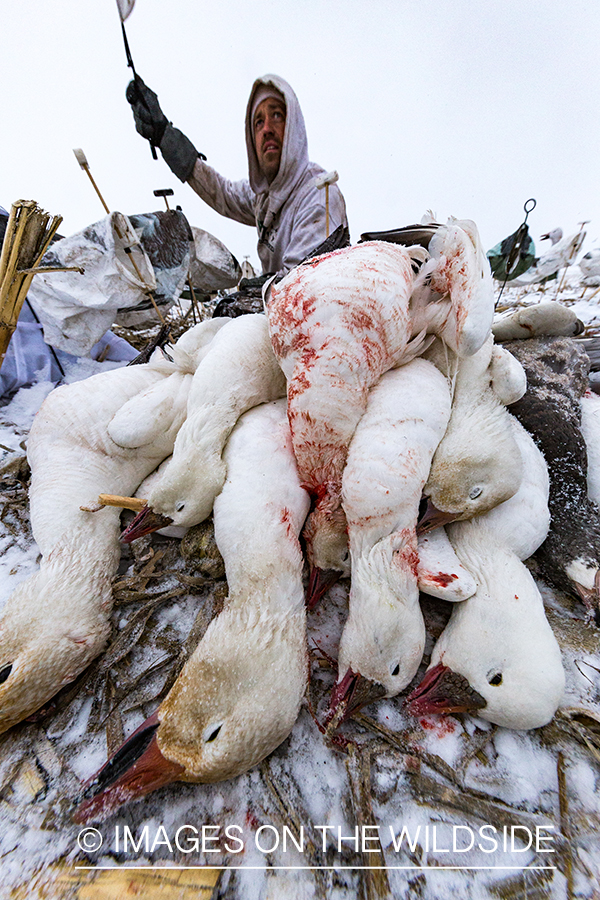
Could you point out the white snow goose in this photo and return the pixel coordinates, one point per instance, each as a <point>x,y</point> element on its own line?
<point>477,464</point>
<point>388,462</point>
<point>239,694</point>
<point>497,657</point>
<point>238,372</point>
<point>57,620</point>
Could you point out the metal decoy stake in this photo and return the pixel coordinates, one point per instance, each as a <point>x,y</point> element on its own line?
<point>125,8</point>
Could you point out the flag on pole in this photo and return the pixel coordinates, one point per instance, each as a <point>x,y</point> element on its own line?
<point>125,8</point>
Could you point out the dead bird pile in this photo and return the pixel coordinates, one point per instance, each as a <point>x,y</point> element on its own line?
<point>400,771</point>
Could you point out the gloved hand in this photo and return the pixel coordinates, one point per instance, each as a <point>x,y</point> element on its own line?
<point>178,151</point>
<point>150,120</point>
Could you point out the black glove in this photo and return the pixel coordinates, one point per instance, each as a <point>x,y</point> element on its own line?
<point>150,120</point>
<point>178,151</point>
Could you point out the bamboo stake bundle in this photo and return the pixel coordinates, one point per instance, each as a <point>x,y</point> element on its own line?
<point>28,235</point>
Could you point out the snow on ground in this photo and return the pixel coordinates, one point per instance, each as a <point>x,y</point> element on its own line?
<point>459,803</point>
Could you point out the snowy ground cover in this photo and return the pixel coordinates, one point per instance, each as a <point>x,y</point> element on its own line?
<point>460,807</point>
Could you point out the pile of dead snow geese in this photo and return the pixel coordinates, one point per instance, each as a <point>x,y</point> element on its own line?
<point>363,420</point>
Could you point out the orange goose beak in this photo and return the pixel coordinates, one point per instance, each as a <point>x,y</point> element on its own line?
<point>432,517</point>
<point>136,768</point>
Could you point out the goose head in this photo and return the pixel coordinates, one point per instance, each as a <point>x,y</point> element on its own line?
<point>326,537</point>
<point>185,492</point>
<point>235,701</point>
<point>384,637</point>
<point>53,625</point>
<point>476,466</point>
<point>497,657</point>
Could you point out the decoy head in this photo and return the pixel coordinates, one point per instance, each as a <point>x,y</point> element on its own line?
<point>555,235</point>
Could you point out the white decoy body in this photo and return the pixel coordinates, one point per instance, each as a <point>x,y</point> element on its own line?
<point>498,656</point>
<point>388,462</point>
<point>339,322</point>
<point>477,464</point>
<point>550,318</point>
<point>56,621</point>
<point>239,694</point>
<point>590,267</point>
<point>563,252</point>
<point>238,372</point>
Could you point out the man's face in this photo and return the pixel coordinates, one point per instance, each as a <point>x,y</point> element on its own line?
<point>269,128</point>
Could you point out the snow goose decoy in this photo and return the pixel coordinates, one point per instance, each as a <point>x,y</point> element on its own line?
<point>239,694</point>
<point>562,253</point>
<point>590,268</point>
<point>388,462</point>
<point>57,620</point>
<point>550,318</point>
<point>238,372</point>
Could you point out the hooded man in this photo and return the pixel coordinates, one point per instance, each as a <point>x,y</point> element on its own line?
<point>280,198</point>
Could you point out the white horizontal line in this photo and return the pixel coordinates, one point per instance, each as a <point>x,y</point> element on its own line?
<point>327,868</point>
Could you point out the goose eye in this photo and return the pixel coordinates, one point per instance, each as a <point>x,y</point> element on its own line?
<point>345,556</point>
<point>495,678</point>
<point>5,672</point>
<point>396,670</point>
<point>212,733</point>
<point>179,506</point>
<point>475,492</point>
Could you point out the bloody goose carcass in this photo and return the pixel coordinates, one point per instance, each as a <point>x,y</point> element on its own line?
<point>338,322</point>
<point>388,463</point>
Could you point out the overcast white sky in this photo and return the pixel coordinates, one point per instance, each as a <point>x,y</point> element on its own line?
<point>467,107</point>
